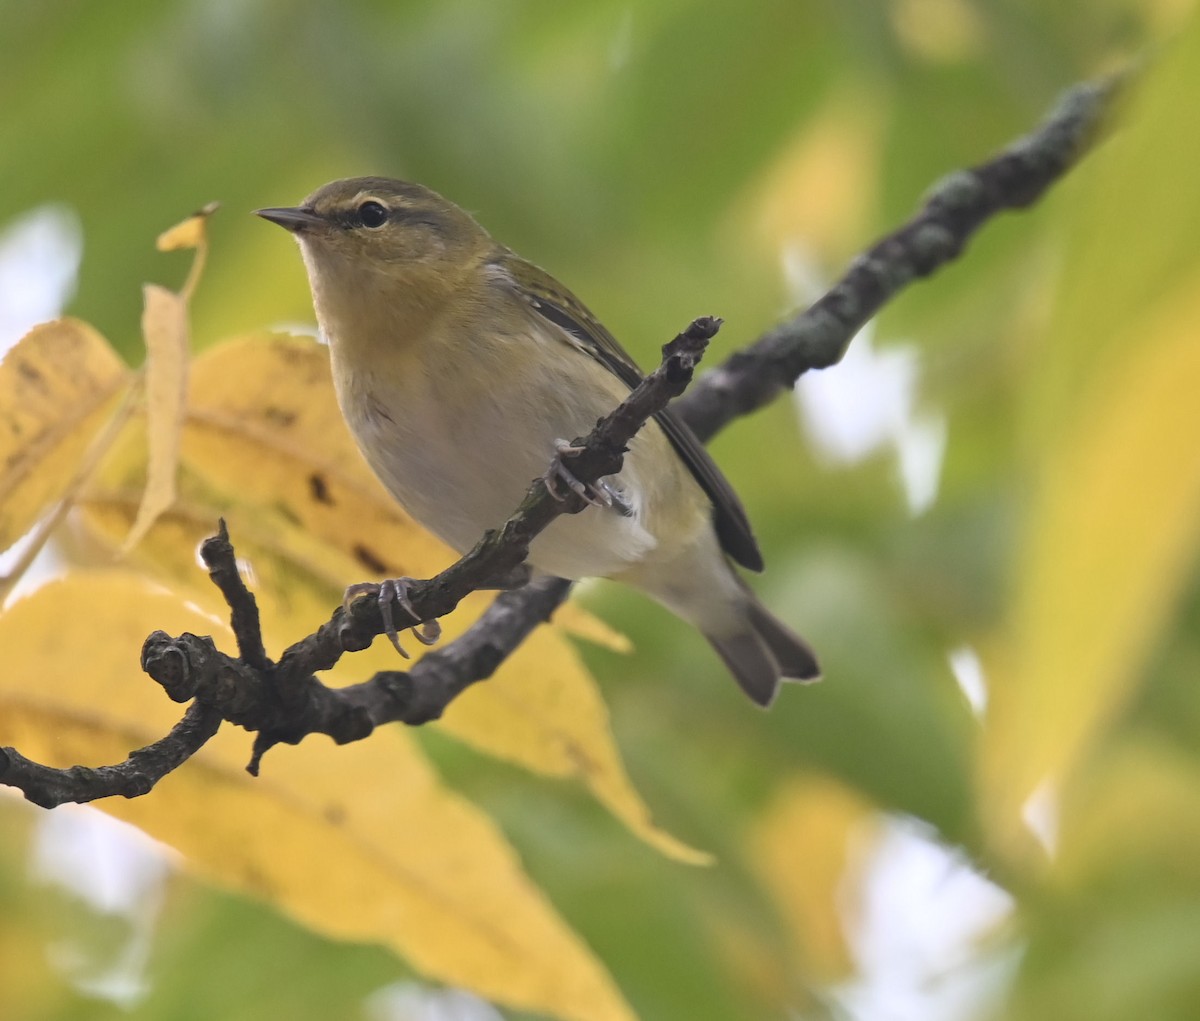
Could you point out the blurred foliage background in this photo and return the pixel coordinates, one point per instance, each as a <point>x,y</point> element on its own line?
<point>681,157</point>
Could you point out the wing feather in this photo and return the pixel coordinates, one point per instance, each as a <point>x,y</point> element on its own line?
<point>559,306</point>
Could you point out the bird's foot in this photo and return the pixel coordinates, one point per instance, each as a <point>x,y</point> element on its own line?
<point>395,590</point>
<point>597,495</point>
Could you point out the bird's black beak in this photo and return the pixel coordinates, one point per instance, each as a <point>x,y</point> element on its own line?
<point>297,219</point>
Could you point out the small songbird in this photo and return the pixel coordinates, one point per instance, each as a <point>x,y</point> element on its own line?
<point>461,369</point>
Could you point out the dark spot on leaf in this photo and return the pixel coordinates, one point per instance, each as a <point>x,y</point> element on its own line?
<point>257,879</point>
<point>279,416</point>
<point>335,815</point>
<point>370,560</point>
<point>319,488</point>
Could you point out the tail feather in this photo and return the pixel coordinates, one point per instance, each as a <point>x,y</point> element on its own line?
<point>763,653</point>
<point>797,661</point>
<point>751,663</point>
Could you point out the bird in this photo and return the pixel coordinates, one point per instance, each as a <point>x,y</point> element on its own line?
<point>460,367</point>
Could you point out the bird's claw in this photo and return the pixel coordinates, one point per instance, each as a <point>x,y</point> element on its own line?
<point>597,495</point>
<point>395,590</point>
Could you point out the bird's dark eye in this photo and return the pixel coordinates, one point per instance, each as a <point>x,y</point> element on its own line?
<point>372,214</point>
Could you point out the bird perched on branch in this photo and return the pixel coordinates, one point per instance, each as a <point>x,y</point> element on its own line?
<point>460,368</point>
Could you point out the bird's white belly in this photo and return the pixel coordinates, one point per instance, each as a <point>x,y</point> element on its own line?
<point>459,475</point>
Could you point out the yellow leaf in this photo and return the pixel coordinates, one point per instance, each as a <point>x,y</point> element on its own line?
<point>265,429</point>
<point>1113,531</point>
<point>56,387</point>
<point>542,710</point>
<point>189,233</point>
<point>1113,523</point>
<point>802,848</point>
<point>577,621</point>
<point>359,842</point>
<point>165,327</point>
<point>1126,247</point>
<point>263,426</point>
<point>942,31</point>
<point>818,190</point>
<point>1137,815</point>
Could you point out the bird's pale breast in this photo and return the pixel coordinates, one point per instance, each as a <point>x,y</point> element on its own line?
<point>457,434</point>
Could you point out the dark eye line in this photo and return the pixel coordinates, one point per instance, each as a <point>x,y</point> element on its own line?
<point>424,217</point>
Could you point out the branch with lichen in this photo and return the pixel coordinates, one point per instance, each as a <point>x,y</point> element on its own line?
<point>284,701</point>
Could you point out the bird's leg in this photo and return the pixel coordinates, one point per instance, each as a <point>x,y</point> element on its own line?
<point>395,590</point>
<point>596,495</point>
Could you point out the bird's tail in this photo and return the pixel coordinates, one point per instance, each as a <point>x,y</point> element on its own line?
<point>764,651</point>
